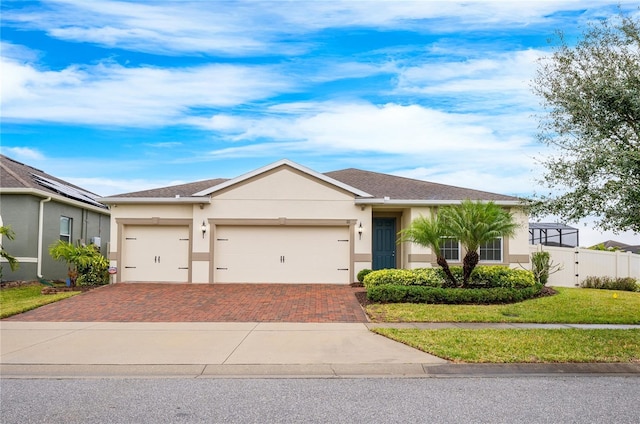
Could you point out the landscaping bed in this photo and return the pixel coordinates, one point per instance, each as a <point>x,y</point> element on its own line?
<point>56,290</point>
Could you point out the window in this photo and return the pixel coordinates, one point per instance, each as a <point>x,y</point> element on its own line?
<point>65,228</point>
<point>491,251</point>
<point>450,249</point>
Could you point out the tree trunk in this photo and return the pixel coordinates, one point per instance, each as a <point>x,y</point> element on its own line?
<point>445,266</point>
<point>470,261</point>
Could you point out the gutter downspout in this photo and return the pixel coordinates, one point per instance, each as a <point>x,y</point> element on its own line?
<point>40,235</point>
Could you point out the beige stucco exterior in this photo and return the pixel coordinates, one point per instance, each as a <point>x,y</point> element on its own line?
<point>254,208</point>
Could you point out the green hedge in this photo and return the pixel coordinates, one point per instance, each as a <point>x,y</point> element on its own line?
<point>393,293</point>
<point>608,283</point>
<point>501,276</point>
<point>481,277</point>
<point>415,277</point>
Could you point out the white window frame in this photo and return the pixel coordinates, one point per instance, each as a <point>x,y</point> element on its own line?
<point>501,250</point>
<point>443,250</point>
<point>64,236</point>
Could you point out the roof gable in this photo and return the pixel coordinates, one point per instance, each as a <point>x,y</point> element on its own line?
<point>281,164</point>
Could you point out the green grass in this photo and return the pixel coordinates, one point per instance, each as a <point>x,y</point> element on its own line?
<point>522,346</point>
<point>21,299</point>
<point>571,306</point>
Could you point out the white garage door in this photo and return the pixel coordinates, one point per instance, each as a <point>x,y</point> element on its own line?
<point>156,254</point>
<point>246,254</point>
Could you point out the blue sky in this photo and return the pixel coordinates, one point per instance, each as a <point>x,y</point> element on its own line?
<point>120,96</point>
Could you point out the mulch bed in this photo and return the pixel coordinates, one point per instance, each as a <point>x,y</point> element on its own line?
<point>12,284</point>
<point>55,290</point>
<point>45,289</point>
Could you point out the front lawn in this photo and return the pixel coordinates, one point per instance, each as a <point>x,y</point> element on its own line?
<point>571,306</point>
<point>21,299</point>
<point>522,346</point>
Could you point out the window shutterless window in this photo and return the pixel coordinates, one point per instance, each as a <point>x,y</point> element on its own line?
<point>491,251</point>
<point>450,249</point>
<point>65,228</point>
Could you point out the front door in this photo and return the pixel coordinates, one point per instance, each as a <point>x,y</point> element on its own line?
<point>384,243</point>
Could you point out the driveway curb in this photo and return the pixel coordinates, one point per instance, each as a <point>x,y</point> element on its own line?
<point>22,371</point>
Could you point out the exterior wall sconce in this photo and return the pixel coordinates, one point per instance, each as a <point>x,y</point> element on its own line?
<point>360,231</point>
<point>203,227</point>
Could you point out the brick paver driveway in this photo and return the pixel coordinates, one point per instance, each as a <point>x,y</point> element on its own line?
<point>144,302</point>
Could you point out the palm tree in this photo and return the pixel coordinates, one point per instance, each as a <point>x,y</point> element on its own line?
<point>10,235</point>
<point>474,224</point>
<point>429,232</point>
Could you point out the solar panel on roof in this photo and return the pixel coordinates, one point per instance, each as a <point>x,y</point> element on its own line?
<point>68,191</point>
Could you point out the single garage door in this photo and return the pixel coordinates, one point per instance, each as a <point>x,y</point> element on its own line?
<point>156,254</point>
<point>278,254</point>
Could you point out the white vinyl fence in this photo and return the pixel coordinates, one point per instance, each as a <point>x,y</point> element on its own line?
<point>578,264</point>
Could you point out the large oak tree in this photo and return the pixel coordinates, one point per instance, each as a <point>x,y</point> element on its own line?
<point>591,96</point>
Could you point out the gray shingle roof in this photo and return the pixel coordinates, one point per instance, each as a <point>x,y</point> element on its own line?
<point>377,184</point>
<point>182,190</point>
<point>17,175</point>
<point>401,188</point>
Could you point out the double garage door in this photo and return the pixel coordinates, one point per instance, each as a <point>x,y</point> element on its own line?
<point>281,254</point>
<point>242,254</point>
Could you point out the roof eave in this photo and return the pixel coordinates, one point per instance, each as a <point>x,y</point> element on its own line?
<point>155,200</point>
<point>421,202</point>
<point>56,197</point>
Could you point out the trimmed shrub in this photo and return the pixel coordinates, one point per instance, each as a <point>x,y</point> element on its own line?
<point>455,270</point>
<point>363,273</point>
<point>94,273</point>
<point>481,277</point>
<point>429,277</point>
<point>501,276</point>
<point>393,293</point>
<point>406,277</point>
<point>485,276</point>
<point>390,276</point>
<point>608,283</point>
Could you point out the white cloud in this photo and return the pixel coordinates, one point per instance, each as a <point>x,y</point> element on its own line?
<point>22,153</point>
<point>460,149</point>
<point>110,94</point>
<point>221,27</point>
<point>389,128</point>
<point>476,82</point>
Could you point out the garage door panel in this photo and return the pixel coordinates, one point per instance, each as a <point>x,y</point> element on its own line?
<point>246,254</point>
<point>156,254</point>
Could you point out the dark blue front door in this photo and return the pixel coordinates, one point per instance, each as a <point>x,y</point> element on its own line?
<point>384,243</point>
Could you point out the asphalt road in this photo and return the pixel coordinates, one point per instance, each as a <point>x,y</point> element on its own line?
<point>583,399</point>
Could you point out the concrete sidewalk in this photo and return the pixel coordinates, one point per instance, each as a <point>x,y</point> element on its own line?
<point>194,349</point>
<point>190,350</point>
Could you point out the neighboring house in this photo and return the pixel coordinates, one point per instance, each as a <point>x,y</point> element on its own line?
<point>553,234</point>
<point>285,223</point>
<point>42,209</point>
<point>616,245</point>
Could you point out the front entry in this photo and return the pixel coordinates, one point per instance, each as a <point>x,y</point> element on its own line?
<point>384,243</point>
